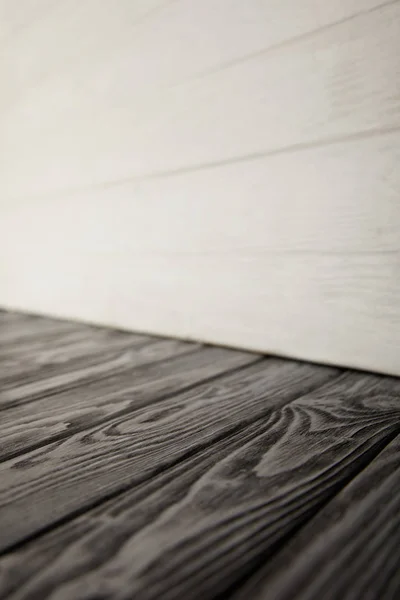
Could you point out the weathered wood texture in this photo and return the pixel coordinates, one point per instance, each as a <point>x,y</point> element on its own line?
<point>222,170</point>
<point>135,445</point>
<point>34,367</point>
<point>104,365</point>
<point>350,550</point>
<point>60,414</point>
<point>201,476</point>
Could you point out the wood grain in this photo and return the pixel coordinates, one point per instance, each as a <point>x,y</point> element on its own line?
<point>56,346</point>
<point>33,338</point>
<point>20,387</point>
<point>210,474</point>
<point>38,359</point>
<point>197,533</point>
<point>76,547</point>
<point>350,550</point>
<point>119,372</point>
<point>21,331</point>
<point>70,474</point>
<point>122,385</point>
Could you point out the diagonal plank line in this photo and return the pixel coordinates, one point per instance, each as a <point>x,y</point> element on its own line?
<point>287,43</point>
<point>247,585</point>
<point>259,537</point>
<point>90,378</point>
<point>260,559</point>
<point>179,171</point>
<point>27,372</point>
<point>128,411</point>
<point>160,470</point>
<point>141,490</point>
<point>335,429</point>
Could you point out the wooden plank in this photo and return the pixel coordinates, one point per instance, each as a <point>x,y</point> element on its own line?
<point>344,80</point>
<point>21,319</point>
<point>182,27</point>
<point>122,385</point>
<point>45,565</point>
<point>33,339</point>
<point>119,372</point>
<point>203,525</point>
<point>312,273</point>
<point>61,348</point>
<point>64,355</point>
<point>349,550</point>
<point>44,323</point>
<point>50,344</point>
<point>108,365</point>
<point>209,204</point>
<point>42,328</point>
<point>17,317</point>
<point>69,475</point>
<point>8,316</point>
<point>21,331</point>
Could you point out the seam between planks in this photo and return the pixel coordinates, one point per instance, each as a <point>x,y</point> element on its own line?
<point>364,134</point>
<point>127,411</point>
<point>258,565</point>
<point>292,41</point>
<point>97,377</point>
<point>157,471</point>
<point>93,358</point>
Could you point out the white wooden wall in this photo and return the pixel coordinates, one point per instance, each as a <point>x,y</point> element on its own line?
<point>227,170</point>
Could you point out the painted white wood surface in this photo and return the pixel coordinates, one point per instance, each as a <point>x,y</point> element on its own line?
<point>220,170</point>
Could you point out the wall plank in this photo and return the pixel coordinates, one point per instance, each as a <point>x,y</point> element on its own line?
<point>72,122</point>
<point>296,254</point>
<point>221,171</point>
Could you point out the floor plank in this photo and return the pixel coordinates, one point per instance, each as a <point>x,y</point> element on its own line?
<point>47,564</point>
<point>23,330</point>
<point>66,476</point>
<point>350,550</point>
<point>20,370</point>
<point>61,347</point>
<point>245,505</point>
<point>90,368</point>
<point>240,508</point>
<point>153,468</point>
<point>50,343</point>
<point>95,400</point>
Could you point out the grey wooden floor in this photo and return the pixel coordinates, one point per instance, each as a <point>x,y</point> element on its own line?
<point>139,467</point>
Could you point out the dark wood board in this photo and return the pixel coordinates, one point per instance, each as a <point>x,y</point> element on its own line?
<point>140,467</point>
<point>239,510</point>
<point>48,563</point>
<point>25,329</point>
<point>92,368</point>
<point>67,475</point>
<point>127,383</point>
<point>58,349</point>
<point>349,550</point>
